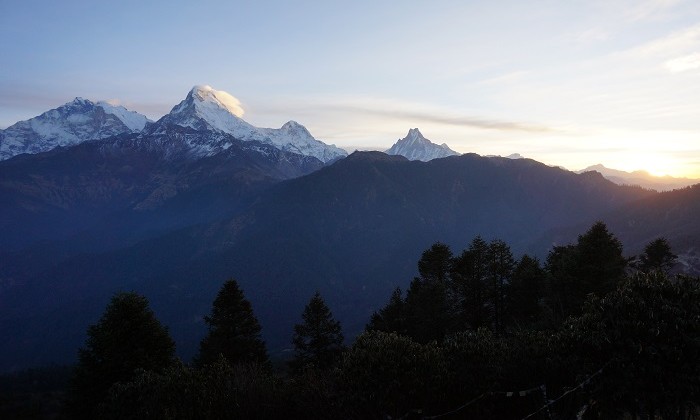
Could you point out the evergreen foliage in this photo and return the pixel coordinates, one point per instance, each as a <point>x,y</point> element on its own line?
<point>391,318</point>
<point>500,270</point>
<point>594,265</point>
<point>470,286</point>
<point>234,331</point>
<point>600,264</point>
<point>127,337</point>
<point>526,288</point>
<point>318,340</point>
<point>631,352</point>
<point>217,391</point>
<point>657,256</point>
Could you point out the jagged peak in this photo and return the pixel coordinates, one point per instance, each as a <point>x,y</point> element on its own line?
<point>416,147</point>
<point>80,102</point>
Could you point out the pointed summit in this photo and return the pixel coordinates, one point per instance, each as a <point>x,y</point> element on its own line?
<point>416,147</point>
<point>205,108</point>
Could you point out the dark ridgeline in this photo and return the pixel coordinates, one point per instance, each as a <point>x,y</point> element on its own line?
<point>351,230</point>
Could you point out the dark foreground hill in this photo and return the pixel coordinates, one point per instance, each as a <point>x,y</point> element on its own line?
<point>352,230</point>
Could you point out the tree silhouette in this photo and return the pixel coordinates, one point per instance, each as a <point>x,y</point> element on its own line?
<point>234,332</point>
<point>500,269</point>
<point>126,338</point>
<point>657,256</point>
<point>318,340</point>
<point>601,265</point>
<point>392,317</point>
<point>526,290</point>
<point>470,286</point>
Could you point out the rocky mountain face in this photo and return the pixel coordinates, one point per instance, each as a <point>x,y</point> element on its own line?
<point>416,147</point>
<point>206,109</point>
<point>75,122</point>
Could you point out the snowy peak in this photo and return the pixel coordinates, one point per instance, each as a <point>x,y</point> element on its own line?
<point>205,95</point>
<point>205,108</point>
<point>416,147</point>
<point>72,123</point>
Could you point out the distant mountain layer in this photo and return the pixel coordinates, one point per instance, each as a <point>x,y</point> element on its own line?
<point>207,109</point>
<point>67,125</point>
<point>416,147</point>
<point>175,208</point>
<point>204,109</point>
<point>642,178</point>
<point>353,230</point>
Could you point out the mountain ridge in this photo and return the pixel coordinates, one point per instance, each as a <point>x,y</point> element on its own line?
<point>641,178</point>
<point>207,109</point>
<point>69,124</point>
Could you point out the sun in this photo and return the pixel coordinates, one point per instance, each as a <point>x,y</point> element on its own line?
<point>655,164</point>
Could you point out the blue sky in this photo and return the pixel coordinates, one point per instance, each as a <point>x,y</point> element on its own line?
<point>568,83</point>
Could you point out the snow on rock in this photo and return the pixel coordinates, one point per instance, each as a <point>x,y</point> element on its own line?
<point>206,108</point>
<point>132,119</point>
<point>416,147</point>
<point>69,124</point>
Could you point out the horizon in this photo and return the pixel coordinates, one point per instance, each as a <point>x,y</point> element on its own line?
<point>568,85</point>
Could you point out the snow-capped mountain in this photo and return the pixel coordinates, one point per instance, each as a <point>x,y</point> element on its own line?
<point>69,124</point>
<point>207,109</point>
<point>416,147</point>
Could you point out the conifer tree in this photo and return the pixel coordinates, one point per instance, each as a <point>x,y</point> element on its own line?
<point>657,256</point>
<point>392,317</point>
<point>500,269</point>
<point>428,310</point>
<point>234,332</point>
<point>128,337</point>
<point>526,289</point>
<point>601,265</point>
<point>470,286</point>
<point>318,340</point>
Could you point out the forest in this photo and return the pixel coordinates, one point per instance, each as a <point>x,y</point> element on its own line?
<point>587,334</point>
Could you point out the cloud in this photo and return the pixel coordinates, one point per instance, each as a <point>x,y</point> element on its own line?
<point>456,120</point>
<point>685,63</point>
<point>679,42</point>
<point>393,109</point>
<point>650,9</point>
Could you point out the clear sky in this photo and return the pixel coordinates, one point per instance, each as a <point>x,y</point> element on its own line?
<point>569,83</point>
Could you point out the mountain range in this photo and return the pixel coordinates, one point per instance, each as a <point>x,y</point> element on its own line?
<point>641,178</point>
<point>173,210</point>
<point>75,122</point>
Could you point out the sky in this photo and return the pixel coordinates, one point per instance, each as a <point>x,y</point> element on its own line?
<point>569,83</point>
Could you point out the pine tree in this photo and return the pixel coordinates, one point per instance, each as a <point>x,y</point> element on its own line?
<point>318,341</point>
<point>526,290</point>
<point>435,263</point>
<point>392,317</point>
<point>657,256</point>
<point>601,265</point>
<point>428,314</point>
<point>234,332</point>
<point>128,337</point>
<point>500,269</point>
<point>470,286</point>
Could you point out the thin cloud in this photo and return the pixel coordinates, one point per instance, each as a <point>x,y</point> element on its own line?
<point>679,42</point>
<point>685,63</point>
<point>462,121</point>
